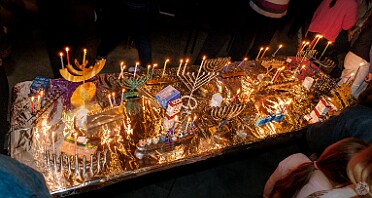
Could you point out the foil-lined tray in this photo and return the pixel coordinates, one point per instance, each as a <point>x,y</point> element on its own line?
<point>109,154</point>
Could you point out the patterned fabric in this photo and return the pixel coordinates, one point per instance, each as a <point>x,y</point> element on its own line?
<point>270,8</point>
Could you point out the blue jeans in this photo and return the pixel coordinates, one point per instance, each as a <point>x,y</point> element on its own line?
<point>354,121</point>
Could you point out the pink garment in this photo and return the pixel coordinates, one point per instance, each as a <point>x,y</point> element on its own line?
<point>317,182</point>
<point>330,21</point>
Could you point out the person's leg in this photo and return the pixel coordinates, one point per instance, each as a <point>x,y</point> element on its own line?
<point>4,99</point>
<point>359,84</point>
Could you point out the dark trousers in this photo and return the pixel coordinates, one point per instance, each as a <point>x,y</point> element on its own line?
<point>4,99</point>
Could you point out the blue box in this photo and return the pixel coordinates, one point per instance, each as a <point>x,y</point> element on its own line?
<point>166,95</point>
<point>39,83</point>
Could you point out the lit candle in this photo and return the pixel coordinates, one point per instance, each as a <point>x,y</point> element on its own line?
<point>174,124</point>
<point>243,100</point>
<point>184,67</point>
<point>241,62</point>
<point>122,96</point>
<point>38,102</point>
<point>148,70</point>
<point>329,42</point>
<point>122,67</point>
<point>179,67</point>
<point>236,95</point>
<point>33,104</point>
<point>68,57</point>
<point>188,123</point>
<point>276,75</point>
<point>61,55</point>
<point>109,97</point>
<point>201,65</point>
<point>84,55</point>
<point>302,67</point>
<point>263,54</point>
<point>303,47</point>
<point>75,140</point>
<point>53,144</point>
<point>41,98</point>
<point>153,70</point>
<point>193,122</point>
<point>259,52</point>
<point>135,69</point>
<point>113,98</point>
<point>165,66</point>
<point>317,40</point>
<point>302,44</point>
<point>276,51</point>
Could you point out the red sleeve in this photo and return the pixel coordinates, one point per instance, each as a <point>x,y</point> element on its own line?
<point>351,17</point>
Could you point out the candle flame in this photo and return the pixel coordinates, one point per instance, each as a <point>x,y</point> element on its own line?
<point>195,117</point>
<point>237,92</point>
<point>261,48</point>
<point>167,60</point>
<point>32,98</point>
<point>61,54</point>
<point>280,46</point>
<point>176,118</point>
<point>329,42</point>
<point>245,59</point>
<point>189,119</point>
<point>85,50</point>
<point>113,94</point>
<point>204,57</point>
<point>148,66</point>
<point>122,63</point>
<point>67,49</point>
<point>155,65</point>
<point>267,48</point>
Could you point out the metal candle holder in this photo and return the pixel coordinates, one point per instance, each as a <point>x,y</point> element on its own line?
<point>216,64</point>
<point>193,81</point>
<point>132,84</point>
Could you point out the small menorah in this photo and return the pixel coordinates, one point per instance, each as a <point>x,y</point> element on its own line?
<point>193,82</point>
<point>226,112</point>
<point>131,84</point>
<point>216,64</point>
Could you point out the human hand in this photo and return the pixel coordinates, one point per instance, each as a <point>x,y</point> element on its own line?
<point>368,78</point>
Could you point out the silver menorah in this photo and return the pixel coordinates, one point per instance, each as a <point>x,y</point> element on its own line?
<point>226,112</point>
<point>216,64</point>
<point>193,82</point>
<point>78,169</point>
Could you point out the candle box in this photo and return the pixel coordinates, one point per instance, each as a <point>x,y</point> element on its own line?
<point>322,107</point>
<point>39,83</point>
<point>166,95</point>
<point>168,123</point>
<point>174,108</point>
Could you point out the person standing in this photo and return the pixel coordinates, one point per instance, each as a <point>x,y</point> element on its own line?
<point>332,19</point>
<point>261,18</point>
<point>357,60</point>
<point>134,18</point>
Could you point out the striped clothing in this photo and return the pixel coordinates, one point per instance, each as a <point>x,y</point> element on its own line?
<point>270,8</point>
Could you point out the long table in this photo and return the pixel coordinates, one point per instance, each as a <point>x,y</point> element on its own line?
<point>136,137</point>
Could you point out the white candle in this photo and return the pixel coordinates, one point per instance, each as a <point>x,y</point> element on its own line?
<point>201,65</point>
<point>259,52</point>
<point>135,69</point>
<point>193,122</point>
<point>122,96</point>
<point>188,123</point>
<point>61,55</point>
<point>165,66</point>
<point>184,67</point>
<point>113,98</point>
<point>179,67</point>
<point>75,140</point>
<point>148,70</point>
<point>153,70</point>
<point>122,67</point>
<point>33,104</point>
<point>109,97</point>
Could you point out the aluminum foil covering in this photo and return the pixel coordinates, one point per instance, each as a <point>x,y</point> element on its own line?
<point>122,142</point>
